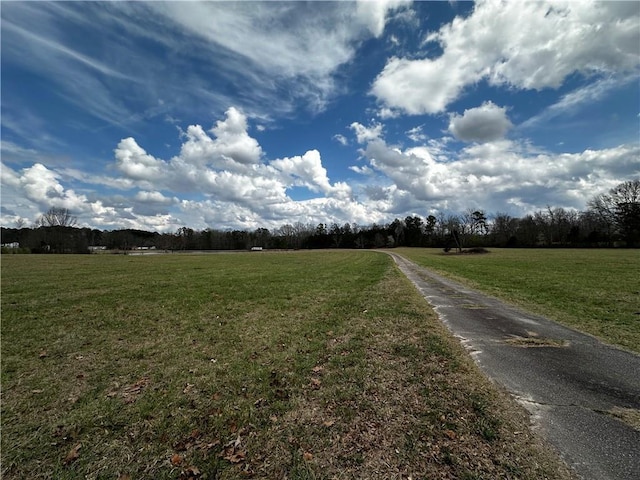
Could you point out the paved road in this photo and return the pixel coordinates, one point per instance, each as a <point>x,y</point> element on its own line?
<point>567,380</point>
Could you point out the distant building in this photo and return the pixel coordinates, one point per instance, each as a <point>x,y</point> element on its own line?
<point>256,249</point>
<point>11,245</point>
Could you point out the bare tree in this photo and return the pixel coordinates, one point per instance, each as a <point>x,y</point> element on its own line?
<point>57,217</point>
<point>620,208</point>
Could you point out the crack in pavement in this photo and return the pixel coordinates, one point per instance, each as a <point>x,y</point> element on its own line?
<point>570,388</point>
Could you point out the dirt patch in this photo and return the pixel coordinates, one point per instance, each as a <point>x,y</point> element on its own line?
<point>466,251</point>
<point>472,306</point>
<point>533,342</point>
<point>630,416</point>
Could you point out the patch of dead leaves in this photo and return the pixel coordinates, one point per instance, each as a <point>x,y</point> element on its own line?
<point>315,383</point>
<point>129,393</point>
<point>193,440</point>
<point>190,472</point>
<point>233,451</point>
<point>73,454</point>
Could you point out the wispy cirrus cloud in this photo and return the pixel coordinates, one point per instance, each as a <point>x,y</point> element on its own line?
<point>275,57</point>
<point>571,103</point>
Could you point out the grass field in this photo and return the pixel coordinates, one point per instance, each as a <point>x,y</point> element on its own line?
<point>595,291</point>
<point>306,365</point>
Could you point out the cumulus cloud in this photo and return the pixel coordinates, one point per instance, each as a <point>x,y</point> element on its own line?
<point>497,176</point>
<point>155,197</point>
<point>366,134</point>
<point>221,178</point>
<point>224,167</point>
<point>41,186</point>
<point>35,189</point>
<point>232,148</point>
<point>233,141</point>
<point>228,168</point>
<point>481,124</point>
<point>526,45</point>
<point>307,170</point>
<point>134,162</point>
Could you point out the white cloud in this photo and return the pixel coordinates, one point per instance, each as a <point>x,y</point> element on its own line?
<point>41,186</point>
<point>233,141</point>
<point>366,134</point>
<point>230,170</point>
<point>154,197</point>
<point>16,151</point>
<point>9,177</point>
<point>526,45</point>
<point>374,13</point>
<point>418,86</point>
<point>386,113</point>
<point>33,39</point>
<point>267,47</point>
<point>481,124</point>
<point>134,162</point>
<point>277,40</point>
<point>416,134</point>
<point>307,170</point>
<point>341,139</point>
<point>363,170</point>
<point>571,102</point>
<point>232,149</point>
<point>223,180</point>
<point>497,176</point>
<point>35,189</point>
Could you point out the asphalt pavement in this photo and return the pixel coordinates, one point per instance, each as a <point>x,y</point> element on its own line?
<point>571,383</point>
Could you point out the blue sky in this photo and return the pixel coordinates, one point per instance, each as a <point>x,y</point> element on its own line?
<point>256,114</point>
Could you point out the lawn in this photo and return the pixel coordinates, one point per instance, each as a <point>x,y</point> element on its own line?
<point>595,291</point>
<point>305,365</point>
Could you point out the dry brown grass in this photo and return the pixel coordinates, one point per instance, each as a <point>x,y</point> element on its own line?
<point>313,365</point>
<point>398,398</point>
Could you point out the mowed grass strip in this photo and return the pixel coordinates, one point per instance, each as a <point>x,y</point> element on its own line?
<point>267,365</point>
<point>596,291</point>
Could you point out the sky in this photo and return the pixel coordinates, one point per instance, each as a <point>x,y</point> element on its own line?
<point>246,115</point>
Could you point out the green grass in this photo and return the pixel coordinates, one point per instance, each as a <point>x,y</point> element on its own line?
<point>595,291</point>
<point>304,365</point>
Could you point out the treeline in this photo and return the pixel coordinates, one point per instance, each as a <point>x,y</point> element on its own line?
<point>612,220</point>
